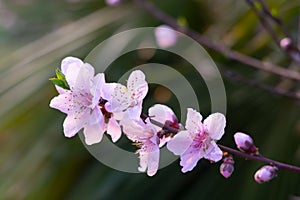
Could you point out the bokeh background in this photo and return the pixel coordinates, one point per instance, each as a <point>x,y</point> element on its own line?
<point>38,162</point>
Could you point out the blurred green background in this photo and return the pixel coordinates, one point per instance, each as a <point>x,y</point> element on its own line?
<point>38,162</point>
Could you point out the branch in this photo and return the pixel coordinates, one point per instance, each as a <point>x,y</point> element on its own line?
<point>246,156</point>
<point>268,67</point>
<point>263,13</point>
<point>238,78</point>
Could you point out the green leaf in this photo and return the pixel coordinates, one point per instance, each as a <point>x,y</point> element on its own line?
<point>60,80</point>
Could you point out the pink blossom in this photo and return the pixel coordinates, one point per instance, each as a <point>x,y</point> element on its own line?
<point>165,36</point>
<point>145,137</point>
<point>165,115</point>
<point>127,101</point>
<point>112,2</point>
<point>265,174</point>
<point>81,102</point>
<point>199,140</point>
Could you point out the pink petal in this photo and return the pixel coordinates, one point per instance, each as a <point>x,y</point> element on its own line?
<point>143,156</point>
<point>180,142</point>
<point>93,133</point>
<point>107,90</point>
<point>121,99</point>
<point>215,124</point>
<point>114,129</point>
<point>214,153</point>
<point>193,121</point>
<point>190,158</point>
<point>62,102</point>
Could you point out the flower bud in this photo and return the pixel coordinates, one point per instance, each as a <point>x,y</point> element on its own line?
<point>245,143</point>
<point>265,174</point>
<point>112,2</point>
<point>285,43</point>
<point>227,167</point>
<point>165,36</point>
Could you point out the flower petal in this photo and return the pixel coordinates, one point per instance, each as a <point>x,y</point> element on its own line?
<point>84,79</point>
<point>137,130</point>
<point>99,81</point>
<point>193,121</point>
<point>62,102</point>
<point>73,124</point>
<point>180,142</point>
<point>114,129</point>
<point>74,63</point>
<point>93,133</point>
<point>190,158</point>
<point>134,112</point>
<point>161,113</point>
<point>120,100</point>
<point>153,162</point>
<point>213,153</point>
<point>215,124</point>
<point>137,85</point>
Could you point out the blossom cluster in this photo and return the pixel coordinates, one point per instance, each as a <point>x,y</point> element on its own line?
<point>97,107</point>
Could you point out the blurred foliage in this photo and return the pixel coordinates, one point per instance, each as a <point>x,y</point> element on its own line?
<point>38,162</point>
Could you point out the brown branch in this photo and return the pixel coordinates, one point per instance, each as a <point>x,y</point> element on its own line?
<point>268,67</point>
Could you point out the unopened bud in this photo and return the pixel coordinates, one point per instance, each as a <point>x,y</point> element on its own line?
<point>265,174</point>
<point>245,143</point>
<point>165,36</point>
<point>227,167</point>
<point>285,43</point>
<point>112,2</point>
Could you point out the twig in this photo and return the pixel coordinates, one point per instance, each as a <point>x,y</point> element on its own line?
<point>238,78</point>
<point>268,67</point>
<point>264,15</point>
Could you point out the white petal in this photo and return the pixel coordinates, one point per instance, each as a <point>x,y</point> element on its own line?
<point>70,62</point>
<point>99,81</point>
<point>190,158</point>
<point>180,142</point>
<point>70,67</point>
<point>85,78</point>
<point>96,116</point>
<point>107,91</point>
<point>135,111</point>
<point>214,153</point>
<point>114,129</point>
<point>62,102</point>
<point>161,113</point>
<point>137,85</point>
<point>153,162</point>
<point>93,133</point>
<point>120,98</point>
<point>73,124</point>
<point>136,130</point>
<point>143,161</point>
<point>215,124</point>
<point>193,121</point>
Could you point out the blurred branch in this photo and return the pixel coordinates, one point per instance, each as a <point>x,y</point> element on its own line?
<point>278,91</point>
<point>265,17</point>
<point>268,67</point>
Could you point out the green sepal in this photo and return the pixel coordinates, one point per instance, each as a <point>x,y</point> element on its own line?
<point>60,80</point>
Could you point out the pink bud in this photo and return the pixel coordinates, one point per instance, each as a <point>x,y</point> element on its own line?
<point>227,167</point>
<point>265,174</point>
<point>165,36</point>
<point>112,2</point>
<point>285,43</point>
<point>245,143</point>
